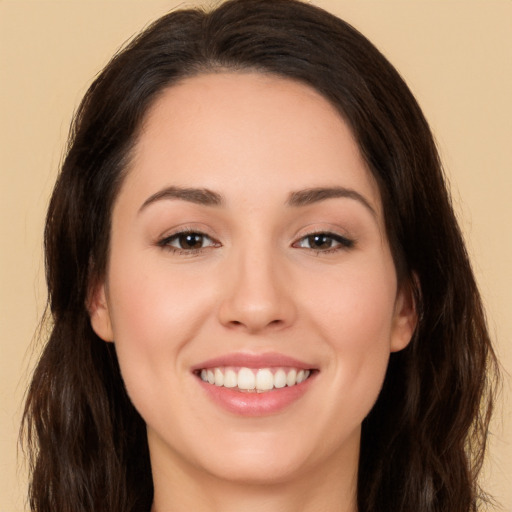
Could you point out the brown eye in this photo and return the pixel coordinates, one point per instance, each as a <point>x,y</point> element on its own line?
<point>324,242</point>
<point>320,241</point>
<point>187,241</point>
<point>190,240</point>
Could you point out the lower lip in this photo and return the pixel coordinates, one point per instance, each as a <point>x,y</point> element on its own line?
<point>255,404</point>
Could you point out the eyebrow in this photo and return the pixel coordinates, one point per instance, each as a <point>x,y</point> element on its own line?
<point>206,197</point>
<point>315,195</point>
<point>201,196</point>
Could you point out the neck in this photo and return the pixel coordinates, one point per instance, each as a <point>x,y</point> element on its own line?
<point>331,488</point>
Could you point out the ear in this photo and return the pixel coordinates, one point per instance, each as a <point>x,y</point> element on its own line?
<point>405,317</point>
<point>97,305</point>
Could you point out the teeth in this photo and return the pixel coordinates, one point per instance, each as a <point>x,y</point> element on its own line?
<point>246,379</point>
<point>291,378</point>
<point>230,379</point>
<point>264,380</point>
<point>280,379</point>
<point>252,380</point>
<point>219,377</point>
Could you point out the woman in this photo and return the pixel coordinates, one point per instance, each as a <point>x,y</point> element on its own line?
<point>260,294</point>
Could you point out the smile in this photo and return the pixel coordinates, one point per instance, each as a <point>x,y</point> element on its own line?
<point>255,385</point>
<point>255,380</point>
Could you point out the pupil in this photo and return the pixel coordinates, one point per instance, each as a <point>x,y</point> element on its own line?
<point>320,242</point>
<point>191,241</point>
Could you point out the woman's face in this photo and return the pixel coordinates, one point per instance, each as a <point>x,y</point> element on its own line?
<point>248,252</point>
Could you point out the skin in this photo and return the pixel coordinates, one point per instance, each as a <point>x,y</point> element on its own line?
<point>257,285</point>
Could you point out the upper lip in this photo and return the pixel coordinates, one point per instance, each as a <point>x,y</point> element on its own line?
<point>248,360</point>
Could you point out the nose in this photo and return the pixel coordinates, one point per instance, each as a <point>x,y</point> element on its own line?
<point>257,295</point>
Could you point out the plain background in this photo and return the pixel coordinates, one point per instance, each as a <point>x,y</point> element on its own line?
<point>455,55</point>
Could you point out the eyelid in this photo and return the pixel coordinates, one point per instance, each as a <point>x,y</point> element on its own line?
<point>344,241</point>
<point>164,240</point>
<point>175,236</point>
<point>199,228</point>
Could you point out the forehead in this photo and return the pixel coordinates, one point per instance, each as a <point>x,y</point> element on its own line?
<point>251,131</point>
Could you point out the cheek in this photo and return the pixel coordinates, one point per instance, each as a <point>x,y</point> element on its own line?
<point>154,314</point>
<point>354,315</point>
<point>356,306</point>
<point>153,318</point>
<point>153,303</point>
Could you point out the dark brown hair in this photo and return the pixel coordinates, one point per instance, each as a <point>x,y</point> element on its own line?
<point>423,442</point>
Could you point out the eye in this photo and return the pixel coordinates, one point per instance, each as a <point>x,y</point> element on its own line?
<point>188,241</point>
<point>324,242</point>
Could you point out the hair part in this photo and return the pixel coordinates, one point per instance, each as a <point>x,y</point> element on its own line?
<point>423,442</point>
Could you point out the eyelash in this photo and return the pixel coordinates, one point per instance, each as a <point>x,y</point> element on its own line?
<point>344,243</point>
<point>165,243</point>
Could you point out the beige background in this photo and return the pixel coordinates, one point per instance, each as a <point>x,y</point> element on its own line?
<point>455,55</point>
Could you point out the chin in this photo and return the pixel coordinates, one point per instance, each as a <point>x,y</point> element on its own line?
<point>262,458</point>
<point>264,469</point>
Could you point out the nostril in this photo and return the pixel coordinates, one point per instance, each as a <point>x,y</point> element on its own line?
<point>253,326</point>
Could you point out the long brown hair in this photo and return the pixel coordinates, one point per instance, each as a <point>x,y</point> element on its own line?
<point>423,442</point>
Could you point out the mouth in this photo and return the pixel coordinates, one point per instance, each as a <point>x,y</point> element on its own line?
<point>254,380</point>
<point>255,384</point>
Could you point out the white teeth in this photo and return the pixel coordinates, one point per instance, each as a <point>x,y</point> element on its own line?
<point>280,379</point>
<point>230,379</point>
<point>264,380</point>
<point>246,379</point>
<point>252,380</point>
<point>291,377</point>
<point>219,377</point>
